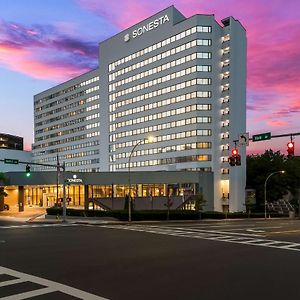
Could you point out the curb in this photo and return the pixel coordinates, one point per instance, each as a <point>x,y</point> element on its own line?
<point>101,222</point>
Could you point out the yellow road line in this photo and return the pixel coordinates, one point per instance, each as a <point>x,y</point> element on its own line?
<point>283,232</point>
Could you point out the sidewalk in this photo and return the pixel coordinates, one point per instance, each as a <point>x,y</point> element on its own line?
<point>38,215</point>
<point>76,220</point>
<point>13,213</point>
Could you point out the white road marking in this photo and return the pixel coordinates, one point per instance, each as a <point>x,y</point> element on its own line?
<point>221,236</point>
<point>24,226</point>
<point>9,282</point>
<point>217,231</point>
<point>48,287</point>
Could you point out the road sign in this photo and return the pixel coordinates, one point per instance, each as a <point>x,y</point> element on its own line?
<point>11,161</point>
<point>261,137</point>
<point>244,139</point>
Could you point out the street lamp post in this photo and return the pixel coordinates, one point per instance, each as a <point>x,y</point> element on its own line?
<point>64,212</point>
<point>282,172</point>
<point>149,139</point>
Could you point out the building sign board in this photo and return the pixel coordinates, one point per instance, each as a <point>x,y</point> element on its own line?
<point>148,27</point>
<point>74,180</point>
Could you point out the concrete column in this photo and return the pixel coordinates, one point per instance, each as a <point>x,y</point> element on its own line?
<point>86,197</point>
<point>140,190</point>
<point>21,195</point>
<point>166,190</point>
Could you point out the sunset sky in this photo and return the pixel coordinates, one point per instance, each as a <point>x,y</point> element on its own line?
<point>43,43</point>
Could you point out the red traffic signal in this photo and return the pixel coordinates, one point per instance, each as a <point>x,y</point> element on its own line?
<point>234,152</point>
<point>235,158</point>
<point>290,148</point>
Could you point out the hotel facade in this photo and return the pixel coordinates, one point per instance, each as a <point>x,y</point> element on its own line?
<point>180,80</point>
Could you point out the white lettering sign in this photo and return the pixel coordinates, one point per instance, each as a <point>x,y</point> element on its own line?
<point>76,180</point>
<point>150,26</point>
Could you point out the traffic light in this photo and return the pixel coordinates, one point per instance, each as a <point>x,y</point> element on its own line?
<point>231,161</point>
<point>290,149</point>
<point>235,158</point>
<point>234,152</point>
<point>28,171</point>
<point>238,160</point>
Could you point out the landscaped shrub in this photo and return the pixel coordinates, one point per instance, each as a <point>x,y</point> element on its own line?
<point>155,215</point>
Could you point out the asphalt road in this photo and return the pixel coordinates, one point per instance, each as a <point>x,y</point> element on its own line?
<point>207,260</point>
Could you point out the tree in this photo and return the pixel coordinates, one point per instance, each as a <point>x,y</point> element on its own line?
<point>259,167</point>
<point>126,203</point>
<point>250,202</point>
<point>168,204</point>
<point>2,192</point>
<point>199,203</point>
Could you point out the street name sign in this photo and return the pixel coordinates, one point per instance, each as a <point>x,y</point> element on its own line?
<point>261,137</point>
<point>11,161</point>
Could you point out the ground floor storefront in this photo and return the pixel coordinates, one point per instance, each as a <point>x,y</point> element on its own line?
<point>45,189</point>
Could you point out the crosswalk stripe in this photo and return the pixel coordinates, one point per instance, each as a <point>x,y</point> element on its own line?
<point>48,287</point>
<point>10,282</point>
<point>222,236</point>
<point>30,294</point>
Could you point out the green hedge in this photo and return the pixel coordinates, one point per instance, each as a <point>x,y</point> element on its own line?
<point>155,215</point>
<point>122,215</point>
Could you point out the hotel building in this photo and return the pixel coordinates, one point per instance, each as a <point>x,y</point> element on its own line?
<point>8,141</point>
<point>180,80</point>
<point>67,124</point>
<point>11,146</point>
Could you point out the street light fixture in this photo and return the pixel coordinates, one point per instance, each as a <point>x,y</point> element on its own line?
<point>149,139</point>
<point>282,172</point>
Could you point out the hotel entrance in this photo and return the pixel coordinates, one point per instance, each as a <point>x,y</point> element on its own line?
<point>41,190</point>
<point>46,196</point>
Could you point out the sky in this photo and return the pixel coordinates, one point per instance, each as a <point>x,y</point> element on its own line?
<point>44,43</point>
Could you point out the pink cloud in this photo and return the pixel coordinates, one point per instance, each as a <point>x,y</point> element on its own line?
<point>27,147</point>
<point>23,61</point>
<point>277,123</point>
<point>43,52</point>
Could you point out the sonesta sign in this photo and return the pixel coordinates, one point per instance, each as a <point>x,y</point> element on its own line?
<point>148,27</point>
<point>74,180</point>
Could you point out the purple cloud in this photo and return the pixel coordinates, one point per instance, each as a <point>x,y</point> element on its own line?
<point>44,52</point>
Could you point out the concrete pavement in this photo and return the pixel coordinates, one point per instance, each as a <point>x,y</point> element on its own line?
<point>39,215</point>
<point>13,214</point>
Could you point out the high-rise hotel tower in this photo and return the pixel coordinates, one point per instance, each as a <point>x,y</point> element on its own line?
<point>180,80</point>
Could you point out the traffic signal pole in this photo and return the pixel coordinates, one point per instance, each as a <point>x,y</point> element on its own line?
<point>268,136</point>
<point>64,212</point>
<point>274,136</point>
